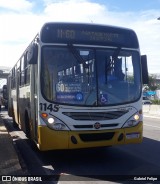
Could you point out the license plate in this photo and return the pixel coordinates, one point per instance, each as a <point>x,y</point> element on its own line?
<point>132,135</point>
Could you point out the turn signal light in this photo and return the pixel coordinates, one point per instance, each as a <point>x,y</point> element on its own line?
<point>44,115</point>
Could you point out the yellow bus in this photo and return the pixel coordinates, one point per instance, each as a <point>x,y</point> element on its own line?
<point>79,86</point>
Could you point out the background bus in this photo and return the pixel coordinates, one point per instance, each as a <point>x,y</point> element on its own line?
<point>79,86</point>
<point>5,96</point>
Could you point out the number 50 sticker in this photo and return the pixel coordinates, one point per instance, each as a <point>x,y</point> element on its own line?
<point>60,88</point>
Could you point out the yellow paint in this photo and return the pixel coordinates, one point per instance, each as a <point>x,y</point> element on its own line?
<point>51,139</point>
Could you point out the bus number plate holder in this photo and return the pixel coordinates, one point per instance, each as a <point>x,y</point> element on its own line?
<point>132,135</point>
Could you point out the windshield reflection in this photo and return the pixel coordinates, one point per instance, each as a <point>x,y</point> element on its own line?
<point>90,76</point>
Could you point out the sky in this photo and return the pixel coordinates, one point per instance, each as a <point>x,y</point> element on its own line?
<point>20,21</point>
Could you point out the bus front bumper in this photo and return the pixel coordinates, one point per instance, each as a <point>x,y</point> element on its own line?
<point>52,140</point>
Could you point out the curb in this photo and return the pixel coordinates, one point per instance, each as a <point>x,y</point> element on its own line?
<point>9,159</point>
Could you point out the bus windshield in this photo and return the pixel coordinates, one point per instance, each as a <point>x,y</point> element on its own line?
<point>90,76</point>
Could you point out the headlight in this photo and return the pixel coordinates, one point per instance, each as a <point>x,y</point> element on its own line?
<point>133,121</point>
<point>51,120</point>
<point>54,123</point>
<point>136,117</point>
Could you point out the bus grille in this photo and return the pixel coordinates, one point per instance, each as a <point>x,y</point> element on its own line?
<point>102,125</point>
<point>95,115</point>
<point>96,136</point>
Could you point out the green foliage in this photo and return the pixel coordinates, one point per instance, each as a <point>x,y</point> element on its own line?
<point>156,102</point>
<point>152,83</point>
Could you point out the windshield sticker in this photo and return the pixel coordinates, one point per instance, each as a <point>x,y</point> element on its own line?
<point>70,87</point>
<point>69,96</point>
<point>103,98</point>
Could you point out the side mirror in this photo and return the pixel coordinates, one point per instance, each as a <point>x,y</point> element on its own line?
<point>145,78</point>
<point>32,54</point>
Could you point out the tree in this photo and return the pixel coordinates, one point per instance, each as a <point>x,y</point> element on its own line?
<point>152,83</point>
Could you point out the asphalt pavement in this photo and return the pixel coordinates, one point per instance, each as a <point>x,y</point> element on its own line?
<point>10,162</point>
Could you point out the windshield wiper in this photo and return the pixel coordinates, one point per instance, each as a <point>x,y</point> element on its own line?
<point>76,54</point>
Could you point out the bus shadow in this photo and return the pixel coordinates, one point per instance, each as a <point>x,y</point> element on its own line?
<point>8,122</point>
<point>119,162</point>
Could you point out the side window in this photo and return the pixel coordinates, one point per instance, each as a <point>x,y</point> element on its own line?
<point>27,75</point>
<point>13,83</point>
<point>14,77</point>
<point>27,71</point>
<point>18,73</point>
<point>22,78</point>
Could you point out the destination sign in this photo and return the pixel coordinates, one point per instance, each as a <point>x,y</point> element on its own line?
<point>88,34</point>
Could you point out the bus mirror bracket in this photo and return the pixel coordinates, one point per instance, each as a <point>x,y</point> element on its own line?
<point>145,78</point>
<point>32,54</point>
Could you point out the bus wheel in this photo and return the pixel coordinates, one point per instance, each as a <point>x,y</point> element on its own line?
<point>28,133</point>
